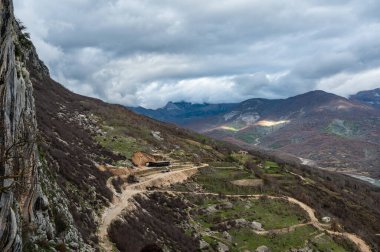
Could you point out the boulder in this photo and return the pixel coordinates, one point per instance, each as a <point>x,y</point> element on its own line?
<point>241,222</point>
<point>157,135</point>
<point>221,247</point>
<point>326,219</point>
<point>211,209</point>
<point>74,245</point>
<point>227,236</point>
<point>256,226</point>
<point>203,244</point>
<point>226,205</point>
<point>263,249</point>
<point>223,226</point>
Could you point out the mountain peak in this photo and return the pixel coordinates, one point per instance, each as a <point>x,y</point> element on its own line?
<point>171,106</point>
<point>319,93</point>
<point>369,97</point>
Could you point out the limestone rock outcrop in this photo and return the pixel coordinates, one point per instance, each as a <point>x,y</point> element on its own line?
<point>22,201</point>
<point>23,205</point>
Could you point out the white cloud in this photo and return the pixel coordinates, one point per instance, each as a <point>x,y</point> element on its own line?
<point>147,52</point>
<point>350,83</point>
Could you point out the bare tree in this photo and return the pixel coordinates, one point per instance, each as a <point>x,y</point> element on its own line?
<point>13,155</point>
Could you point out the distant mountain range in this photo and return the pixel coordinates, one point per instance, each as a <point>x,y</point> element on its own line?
<point>370,97</point>
<point>329,130</point>
<point>183,113</point>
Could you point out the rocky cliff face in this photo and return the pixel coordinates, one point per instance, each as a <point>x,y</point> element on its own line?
<point>22,200</point>
<point>25,214</point>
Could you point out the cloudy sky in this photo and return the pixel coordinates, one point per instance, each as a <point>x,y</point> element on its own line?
<point>149,52</point>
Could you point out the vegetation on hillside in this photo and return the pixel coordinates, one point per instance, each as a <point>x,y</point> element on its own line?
<point>218,218</point>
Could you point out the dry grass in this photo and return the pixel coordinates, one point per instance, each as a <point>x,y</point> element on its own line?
<point>248,182</point>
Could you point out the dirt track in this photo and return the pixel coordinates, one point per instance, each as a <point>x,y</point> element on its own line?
<point>121,202</point>
<point>164,179</point>
<point>361,244</point>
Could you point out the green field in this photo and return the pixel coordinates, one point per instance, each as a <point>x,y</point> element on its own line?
<point>271,167</point>
<point>273,214</point>
<point>208,212</point>
<point>219,181</point>
<point>120,144</point>
<point>279,243</point>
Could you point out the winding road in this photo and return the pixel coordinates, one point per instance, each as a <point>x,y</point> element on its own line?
<point>177,176</point>
<point>121,201</point>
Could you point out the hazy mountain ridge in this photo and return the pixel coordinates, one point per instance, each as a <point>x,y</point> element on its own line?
<point>370,97</point>
<point>336,132</point>
<point>184,112</point>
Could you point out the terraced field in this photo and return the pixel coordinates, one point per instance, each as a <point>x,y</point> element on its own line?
<point>245,223</point>
<point>208,212</point>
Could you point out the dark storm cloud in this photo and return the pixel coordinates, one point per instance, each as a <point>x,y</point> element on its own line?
<point>146,52</point>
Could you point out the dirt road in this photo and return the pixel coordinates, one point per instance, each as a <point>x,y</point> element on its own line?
<point>360,243</point>
<point>177,176</point>
<point>121,202</point>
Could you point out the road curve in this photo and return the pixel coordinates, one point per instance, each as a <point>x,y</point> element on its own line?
<point>160,179</point>
<point>121,201</point>
<point>360,243</point>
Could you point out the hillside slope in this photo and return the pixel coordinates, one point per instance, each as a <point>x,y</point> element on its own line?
<point>335,132</point>
<point>84,140</point>
<point>79,135</point>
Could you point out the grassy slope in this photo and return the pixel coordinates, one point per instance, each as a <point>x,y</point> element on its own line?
<point>273,214</point>
<point>70,149</point>
<point>76,132</point>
